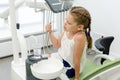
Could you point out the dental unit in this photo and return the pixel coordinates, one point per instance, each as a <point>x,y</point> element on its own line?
<point>35,65</point>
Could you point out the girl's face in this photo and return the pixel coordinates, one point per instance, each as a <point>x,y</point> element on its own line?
<point>70,25</point>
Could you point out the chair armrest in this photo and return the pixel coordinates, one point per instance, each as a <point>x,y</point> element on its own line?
<point>98,57</point>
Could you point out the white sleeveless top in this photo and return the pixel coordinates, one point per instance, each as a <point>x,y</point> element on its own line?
<point>67,49</point>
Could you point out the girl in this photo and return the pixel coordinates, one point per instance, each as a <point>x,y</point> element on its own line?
<point>73,41</point>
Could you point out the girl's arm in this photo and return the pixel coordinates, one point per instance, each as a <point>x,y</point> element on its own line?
<point>78,51</point>
<point>55,41</point>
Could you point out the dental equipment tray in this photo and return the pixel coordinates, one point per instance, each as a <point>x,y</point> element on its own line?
<point>56,6</point>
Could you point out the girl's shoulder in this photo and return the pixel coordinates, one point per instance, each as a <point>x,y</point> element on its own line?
<point>80,37</point>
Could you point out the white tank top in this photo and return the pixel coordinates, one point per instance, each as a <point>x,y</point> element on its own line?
<point>67,49</point>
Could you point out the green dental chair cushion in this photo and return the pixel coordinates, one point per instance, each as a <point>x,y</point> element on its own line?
<point>91,69</point>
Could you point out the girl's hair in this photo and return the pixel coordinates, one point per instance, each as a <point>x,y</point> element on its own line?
<point>82,16</point>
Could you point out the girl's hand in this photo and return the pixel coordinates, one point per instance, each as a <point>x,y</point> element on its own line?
<point>48,28</point>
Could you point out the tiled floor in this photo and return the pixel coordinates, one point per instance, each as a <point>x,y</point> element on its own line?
<point>5,68</point>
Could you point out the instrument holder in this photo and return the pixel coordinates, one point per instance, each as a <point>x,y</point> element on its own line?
<point>57,6</point>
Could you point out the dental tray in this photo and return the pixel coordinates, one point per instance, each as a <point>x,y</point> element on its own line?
<point>56,6</point>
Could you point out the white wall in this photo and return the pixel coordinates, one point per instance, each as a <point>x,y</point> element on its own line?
<point>105,19</point>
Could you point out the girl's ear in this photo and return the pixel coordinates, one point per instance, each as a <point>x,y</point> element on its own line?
<point>80,27</point>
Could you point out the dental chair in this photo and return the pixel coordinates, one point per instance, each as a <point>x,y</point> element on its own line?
<point>103,45</point>
<point>107,71</point>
